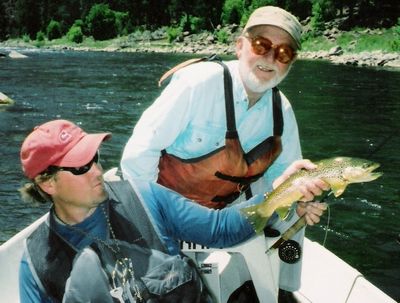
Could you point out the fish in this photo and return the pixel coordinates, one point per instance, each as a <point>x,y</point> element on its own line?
<point>338,172</point>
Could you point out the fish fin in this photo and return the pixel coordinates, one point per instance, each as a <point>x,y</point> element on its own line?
<point>256,220</point>
<point>338,188</point>
<point>282,212</point>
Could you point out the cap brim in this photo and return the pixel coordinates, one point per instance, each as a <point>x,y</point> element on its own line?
<point>83,151</point>
<point>257,22</point>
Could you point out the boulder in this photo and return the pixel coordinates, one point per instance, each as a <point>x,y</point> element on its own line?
<point>16,55</point>
<point>5,100</point>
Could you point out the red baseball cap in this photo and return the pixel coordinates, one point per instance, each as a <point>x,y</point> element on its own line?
<point>58,143</point>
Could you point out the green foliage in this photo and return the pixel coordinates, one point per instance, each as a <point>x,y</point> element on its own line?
<point>322,11</point>
<point>79,22</point>
<point>40,36</point>
<point>315,44</point>
<point>317,20</point>
<point>40,39</point>
<point>173,33</point>
<point>53,30</point>
<point>389,40</point>
<point>196,24</point>
<point>184,23</point>
<point>357,41</point>
<point>232,11</point>
<point>26,38</point>
<point>222,36</point>
<point>101,22</point>
<point>397,27</point>
<point>75,34</point>
<point>122,23</point>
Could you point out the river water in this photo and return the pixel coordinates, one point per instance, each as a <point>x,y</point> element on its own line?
<point>341,111</point>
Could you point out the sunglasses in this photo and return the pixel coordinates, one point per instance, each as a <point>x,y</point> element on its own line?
<point>261,46</point>
<point>74,170</point>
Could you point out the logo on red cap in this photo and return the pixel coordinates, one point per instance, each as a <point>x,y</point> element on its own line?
<point>65,136</point>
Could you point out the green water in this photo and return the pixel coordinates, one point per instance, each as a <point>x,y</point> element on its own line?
<point>341,110</point>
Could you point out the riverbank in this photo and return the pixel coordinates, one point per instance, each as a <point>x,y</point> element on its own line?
<point>206,44</point>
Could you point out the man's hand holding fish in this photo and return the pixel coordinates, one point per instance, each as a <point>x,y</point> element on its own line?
<point>312,211</point>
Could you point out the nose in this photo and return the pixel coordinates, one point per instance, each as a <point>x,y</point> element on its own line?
<point>270,55</point>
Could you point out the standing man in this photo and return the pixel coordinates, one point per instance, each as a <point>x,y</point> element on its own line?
<point>222,132</point>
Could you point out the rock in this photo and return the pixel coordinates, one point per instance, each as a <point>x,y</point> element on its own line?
<point>393,63</point>
<point>16,55</point>
<point>5,100</point>
<point>335,51</point>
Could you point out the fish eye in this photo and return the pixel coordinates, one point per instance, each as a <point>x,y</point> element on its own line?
<point>365,165</point>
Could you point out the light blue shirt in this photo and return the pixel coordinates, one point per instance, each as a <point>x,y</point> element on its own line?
<point>174,217</point>
<point>188,119</point>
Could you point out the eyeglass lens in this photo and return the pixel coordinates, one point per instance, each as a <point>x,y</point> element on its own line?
<point>83,169</point>
<point>282,52</point>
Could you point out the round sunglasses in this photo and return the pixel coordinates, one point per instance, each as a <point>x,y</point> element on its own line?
<point>261,46</point>
<point>74,170</point>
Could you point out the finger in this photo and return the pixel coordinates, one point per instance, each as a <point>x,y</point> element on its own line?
<point>313,188</point>
<point>300,164</point>
<point>301,208</point>
<point>312,219</point>
<point>322,184</point>
<point>315,208</point>
<point>306,164</point>
<point>307,195</point>
<point>321,205</point>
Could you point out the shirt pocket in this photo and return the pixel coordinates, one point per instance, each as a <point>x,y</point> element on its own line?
<point>198,140</point>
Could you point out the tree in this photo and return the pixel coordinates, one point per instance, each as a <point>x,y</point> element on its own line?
<point>101,22</point>
<point>232,11</point>
<point>28,17</point>
<point>3,22</point>
<point>53,30</point>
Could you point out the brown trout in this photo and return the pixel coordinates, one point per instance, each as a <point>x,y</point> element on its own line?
<point>337,172</point>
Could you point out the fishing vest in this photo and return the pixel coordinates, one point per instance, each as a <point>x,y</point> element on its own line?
<point>220,176</point>
<point>52,256</point>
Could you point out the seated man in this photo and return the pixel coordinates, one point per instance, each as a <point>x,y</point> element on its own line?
<point>62,163</point>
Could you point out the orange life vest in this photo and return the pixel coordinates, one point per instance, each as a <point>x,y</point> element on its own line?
<point>219,177</point>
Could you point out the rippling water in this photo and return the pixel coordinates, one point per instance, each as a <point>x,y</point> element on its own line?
<point>341,110</point>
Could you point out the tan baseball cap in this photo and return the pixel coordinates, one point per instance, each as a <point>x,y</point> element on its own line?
<point>272,15</point>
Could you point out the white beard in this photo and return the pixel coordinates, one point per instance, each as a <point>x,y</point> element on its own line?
<point>254,84</point>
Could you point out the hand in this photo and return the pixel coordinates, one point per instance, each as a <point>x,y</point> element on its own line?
<point>312,211</point>
<point>309,187</point>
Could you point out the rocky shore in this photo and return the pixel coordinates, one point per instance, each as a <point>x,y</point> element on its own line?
<point>206,44</point>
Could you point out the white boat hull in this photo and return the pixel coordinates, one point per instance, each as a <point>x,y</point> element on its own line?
<point>325,277</point>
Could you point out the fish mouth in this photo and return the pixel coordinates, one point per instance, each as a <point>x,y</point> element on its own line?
<point>370,175</point>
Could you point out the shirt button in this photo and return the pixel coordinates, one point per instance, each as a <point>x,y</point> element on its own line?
<point>199,140</point>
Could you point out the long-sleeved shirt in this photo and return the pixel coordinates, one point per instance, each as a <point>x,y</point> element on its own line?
<point>174,217</point>
<point>188,120</point>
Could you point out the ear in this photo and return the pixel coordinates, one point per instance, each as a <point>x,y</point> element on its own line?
<point>239,46</point>
<point>48,186</point>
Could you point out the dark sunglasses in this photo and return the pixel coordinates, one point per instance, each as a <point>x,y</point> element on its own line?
<point>261,46</point>
<point>74,170</point>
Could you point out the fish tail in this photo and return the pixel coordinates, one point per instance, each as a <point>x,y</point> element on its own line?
<point>255,219</point>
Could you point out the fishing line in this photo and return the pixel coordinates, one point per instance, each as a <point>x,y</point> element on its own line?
<point>382,144</point>
<point>327,225</point>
